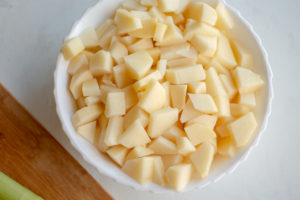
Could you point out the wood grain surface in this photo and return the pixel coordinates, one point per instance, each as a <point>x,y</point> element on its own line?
<point>31,156</point>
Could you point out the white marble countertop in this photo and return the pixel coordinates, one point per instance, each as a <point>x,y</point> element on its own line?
<point>30,37</point>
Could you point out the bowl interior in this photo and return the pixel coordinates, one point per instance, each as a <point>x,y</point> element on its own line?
<point>65,105</point>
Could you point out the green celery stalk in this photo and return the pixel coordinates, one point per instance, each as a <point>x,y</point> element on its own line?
<point>11,190</point>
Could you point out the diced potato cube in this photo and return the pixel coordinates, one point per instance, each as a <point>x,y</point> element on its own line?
<point>181,75</point>
<point>189,112</point>
<point>247,99</point>
<point>196,87</point>
<point>104,27</point>
<point>72,48</point>
<point>92,100</point>
<point>133,5</point>
<point>115,104</point>
<point>121,76</point>
<point>154,97</point>
<point>173,133</point>
<point>205,120</point>
<point>160,30</point>
<point>78,63</point>
<point>178,96</point>
<point>206,45</point>
<point>130,97</point>
<point>214,85</point>
<point>197,133</point>
<point>127,22</point>
<point>226,147</point>
<point>246,80</point>
<point>172,51</point>
<point>184,146</point>
<point>242,129</point>
<point>161,120</point>
<point>76,82</point>
<point>89,38</point>
<point>90,88</point>
<point>105,89</point>
<point>180,62</point>
<point>171,160</point>
<point>179,176</point>
<point>149,2</point>
<point>243,57</point>
<point>154,53</point>
<point>158,171</point>
<point>193,27</point>
<point>202,158</point>
<point>138,152</point>
<point>147,31</point>
<point>238,110</point>
<point>163,146</point>
<point>224,20</point>
<point>228,85</point>
<point>114,130</point>
<point>86,115</point>
<point>87,131</point>
<point>223,105</point>
<point>203,103</point>
<point>101,63</point>
<point>134,135</point>
<point>168,5</point>
<point>166,86</point>
<point>141,45</point>
<point>140,169</point>
<point>138,64</point>
<point>162,67</point>
<point>202,12</point>
<point>118,51</point>
<point>128,40</point>
<point>142,83</point>
<point>224,53</point>
<point>133,114</point>
<point>106,39</point>
<point>118,154</point>
<point>173,35</point>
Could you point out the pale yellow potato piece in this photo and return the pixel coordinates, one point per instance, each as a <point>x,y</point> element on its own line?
<point>118,51</point>
<point>134,114</point>
<point>202,158</point>
<point>101,63</point>
<point>90,88</point>
<point>246,80</point>
<point>78,63</point>
<point>163,146</point>
<point>182,75</point>
<point>166,85</point>
<point>113,130</point>
<point>127,22</point>
<point>87,131</point>
<point>133,5</point>
<point>128,40</point>
<point>228,85</point>
<point>189,112</point>
<point>238,110</point>
<point>178,18</point>
<point>154,97</point>
<point>223,105</point>
<point>161,120</point>
<point>89,38</point>
<point>179,176</point>
<point>138,152</point>
<point>243,57</point>
<point>226,147</point>
<point>140,169</point>
<point>197,87</point>
<point>147,31</point>
<point>203,103</point>
<point>162,67</point>
<point>180,62</point>
<point>203,60</point>
<point>104,27</point>
<point>173,34</point>
<point>168,5</point>
<point>142,83</point>
<point>107,79</point>
<point>160,30</point>
<point>193,27</point>
<point>72,48</point>
<point>134,135</point>
<point>224,20</point>
<point>247,99</point>
<point>121,76</point>
<point>154,53</point>
<point>149,2</point>
<point>198,133</point>
<point>242,129</point>
<point>184,146</point>
<point>115,104</point>
<point>222,130</point>
<point>170,160</point>
<point>86,114</point>
<point>205,120</point>
<point>158,171</point>
<point>106,39</point>
<point>157,14</point>
<point>202,12</point>
<point>117,154</point>
<point>76,82</point>
<point>178,96</point>
<point>105,89</point>
<point>141,45</point>
<point>92,100</point>
<point>218,67</point>
<point>214,85</point>
<point>138,64</point>
<point>130,97</point>
<point>224,53</point>
<point>172,51</point>
<point>173,133</point>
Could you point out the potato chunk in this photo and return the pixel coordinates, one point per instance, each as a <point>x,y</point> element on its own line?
<point>79,62</point>
<point>202,12</point>
<point>203,103</point>
<point>118,154</point>
<point>86,115</point>
<point>127,22</point>
<point>76,82</point>
<point>101,63</point>
<point>113,130</point>
<point>89,38</point>
<point>184,146</point>
<point>198,133</point>
<point>136,113</point>
<point>168,5</point>
<point>162,146</point>
<point>87,131</point>
<point>91,88</point>
<point>182,75</point>
<point>178,96</point>
<point>224,53</point>
<point>179,176</point>
<point>115,104</point>
<point>72,48</point>
<point>224,20</point>
<point>138,152</point>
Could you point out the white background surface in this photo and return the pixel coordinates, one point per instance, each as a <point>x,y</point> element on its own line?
<point>32,31</point>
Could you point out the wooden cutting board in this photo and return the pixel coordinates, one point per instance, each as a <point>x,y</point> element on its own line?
<point>32,157</point>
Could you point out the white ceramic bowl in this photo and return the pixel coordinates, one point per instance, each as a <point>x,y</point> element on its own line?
<point>243,31</point>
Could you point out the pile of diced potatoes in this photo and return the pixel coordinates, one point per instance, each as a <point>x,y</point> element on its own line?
<point>161,88</point>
